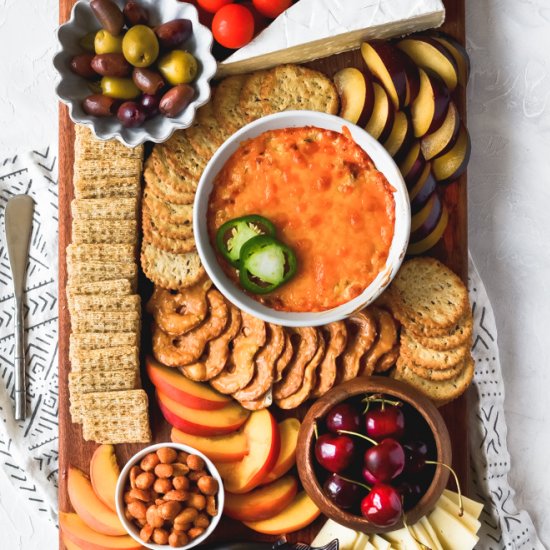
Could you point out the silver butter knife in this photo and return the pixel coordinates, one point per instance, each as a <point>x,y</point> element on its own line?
<point>18,227</point>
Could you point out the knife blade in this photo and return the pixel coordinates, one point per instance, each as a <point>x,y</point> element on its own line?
<point>18,228</point>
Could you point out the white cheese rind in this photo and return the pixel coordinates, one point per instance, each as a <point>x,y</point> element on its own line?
<point>311,29</point>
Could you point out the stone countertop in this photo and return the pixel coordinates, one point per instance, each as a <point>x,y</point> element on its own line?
<point>509,209</point>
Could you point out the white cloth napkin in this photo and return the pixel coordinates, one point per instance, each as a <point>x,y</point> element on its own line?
<point>28,450</point>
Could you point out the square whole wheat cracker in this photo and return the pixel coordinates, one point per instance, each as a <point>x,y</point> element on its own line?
<point>104,231</point>
<point>106,359</point>
<point>81,273</point>
<point>107,168</point>
<point>131,302</point>
<point>93,188</point>
<point>88,147</point>
<point>89,382</point>
<point>116,417</point>
<point>105,209</point>
<point>100,340</point>
<point>101,253</point>
<point>106,321</point>
<point>112,287</point>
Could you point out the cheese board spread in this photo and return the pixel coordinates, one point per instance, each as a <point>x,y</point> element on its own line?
<point>186,265</point>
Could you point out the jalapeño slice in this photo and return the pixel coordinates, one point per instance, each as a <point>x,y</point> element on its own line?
<point>265,264</point>
<point>232,235</point>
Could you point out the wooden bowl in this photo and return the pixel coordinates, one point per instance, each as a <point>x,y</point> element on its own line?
<point>402,392</point>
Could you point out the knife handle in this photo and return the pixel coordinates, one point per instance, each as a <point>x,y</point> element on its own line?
<point>20,384</point>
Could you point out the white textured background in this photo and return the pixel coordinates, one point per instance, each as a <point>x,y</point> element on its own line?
<point>509,189</point>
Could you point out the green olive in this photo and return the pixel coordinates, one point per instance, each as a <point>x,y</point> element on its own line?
<point>178,67</point>
<point>119,88</point>
<point>140,46</point>
<point>105,42</point>
<point>87,42</point>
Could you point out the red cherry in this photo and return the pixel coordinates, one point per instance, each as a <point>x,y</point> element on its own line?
<point>411,492</point>
<point>388,421</point>
<point>416,454</point>
<point>368,477</point>
<point>382,506</point>
<point>386,460</point>
<point>343,417</point>
<point>334,452</point>
<point>342,492</point>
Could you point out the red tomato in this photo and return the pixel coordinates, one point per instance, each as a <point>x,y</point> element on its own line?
<point>260,21</point>
<point>213,5</point>
<point>233,26</point>
<point>272,8</point>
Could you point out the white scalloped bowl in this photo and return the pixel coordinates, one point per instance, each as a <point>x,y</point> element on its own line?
<point>71,89</point>
<point>383,162</point>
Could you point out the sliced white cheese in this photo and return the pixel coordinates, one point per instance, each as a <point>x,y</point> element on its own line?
<point>379,543</point>
<point>431,533</point>
<point>401,538</point>
<point>473,507</point>
<point>469,521</point>
<point>332,530</point>
<point>451,532</point>
<point>422,536</point>
<point>311,29</point>
<point>361,542</point>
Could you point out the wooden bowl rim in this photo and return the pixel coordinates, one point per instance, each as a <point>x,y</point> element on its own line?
<point>395,388</point>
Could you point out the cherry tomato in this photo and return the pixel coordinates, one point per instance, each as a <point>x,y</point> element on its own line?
<point>272,8</point>
<point>213,5</point>
<point>233,26</point>
<point>260,20</point>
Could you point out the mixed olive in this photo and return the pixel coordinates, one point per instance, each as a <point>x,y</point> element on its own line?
<point>135,70</point>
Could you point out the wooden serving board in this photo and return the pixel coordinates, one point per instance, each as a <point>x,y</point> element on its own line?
<point>452,250</point>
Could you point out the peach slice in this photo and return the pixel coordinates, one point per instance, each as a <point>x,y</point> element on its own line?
<point>70,545</point>
<point>356,95</point>
<point>263,502</point>
<point>76,531</point>
<point>288,430</point>
<point>87,505</point>
<point>429,53</point>
<point>197,422</point>
<point>389,65</point>
<point>429,109</point>
<point>442,140</point>
<point>381,120</point>
<point>297,515</point>
<point>104,472</point>
<point>222,448</point>
<point>450,166</point>
<point>176,386</point>
<point>264,443</point>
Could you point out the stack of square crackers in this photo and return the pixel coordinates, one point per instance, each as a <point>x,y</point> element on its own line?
<point>104,381</point>
<point>432,305</point>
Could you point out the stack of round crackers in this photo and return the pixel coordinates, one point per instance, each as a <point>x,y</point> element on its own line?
<point>168,255</point>
<point>258,363</point>
<point>431,303</point>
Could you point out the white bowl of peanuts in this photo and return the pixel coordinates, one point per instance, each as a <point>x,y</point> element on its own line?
<point>169,496</point>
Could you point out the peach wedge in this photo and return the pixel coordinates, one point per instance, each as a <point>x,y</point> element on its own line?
<point>87,505</point>
<point>85,538</point>
<point>104,472</point>
<point>288,430</point>
<point>262,503</point>
<point>176,386</point>
<point>297,515</point>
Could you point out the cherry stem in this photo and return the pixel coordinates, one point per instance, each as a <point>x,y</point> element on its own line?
<point>407,527</point>
<point>379,398</point>
<point>315,430</point>
<point>460,503</point>
<point>358,435</point>
<point>364,485</point>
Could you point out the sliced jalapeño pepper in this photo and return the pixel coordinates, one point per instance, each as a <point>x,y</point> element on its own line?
<point>265,264</point>
<point>232,235</point>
